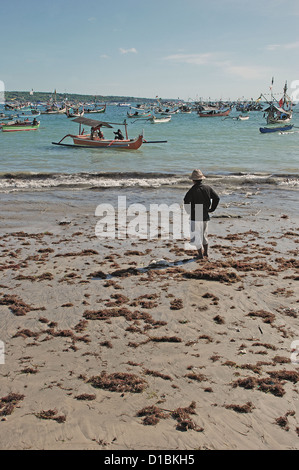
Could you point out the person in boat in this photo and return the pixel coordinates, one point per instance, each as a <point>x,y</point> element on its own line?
<point>118,135</point>
<point>34,122</point>
<point>92,133</point>
<point>100,134</point>
<point>199,202</point>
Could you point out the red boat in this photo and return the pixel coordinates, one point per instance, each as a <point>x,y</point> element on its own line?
<point>96,142</point>
<point>214,113</point>
<point>96,139</point>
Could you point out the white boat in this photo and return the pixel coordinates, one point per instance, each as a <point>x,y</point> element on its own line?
<point>242,118</point>
<point>157,120</point>
<point>72,112</point>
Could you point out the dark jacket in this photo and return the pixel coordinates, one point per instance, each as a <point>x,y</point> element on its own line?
<point>202,196</point>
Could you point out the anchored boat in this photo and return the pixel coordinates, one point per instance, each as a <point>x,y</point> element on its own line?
<point>267,130</point>
<point>278,112</point>
<point>18,125</point>
<point>214,113</point>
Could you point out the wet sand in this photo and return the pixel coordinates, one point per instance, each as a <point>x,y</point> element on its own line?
<point>104,349</point>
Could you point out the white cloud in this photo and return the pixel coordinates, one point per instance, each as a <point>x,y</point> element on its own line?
<point>224,65</point>
<point>272,47</point>
<point>127,51</point>
<point>197,59</point>
<point>250,72</point>
<point>287,46</point>
<point>104,56</point>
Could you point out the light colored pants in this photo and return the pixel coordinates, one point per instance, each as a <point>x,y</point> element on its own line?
<point>198,235</point>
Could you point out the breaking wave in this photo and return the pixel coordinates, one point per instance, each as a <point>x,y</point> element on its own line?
<point>10,182</point>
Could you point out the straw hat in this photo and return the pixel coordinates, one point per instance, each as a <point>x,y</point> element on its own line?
<point>196,175</point>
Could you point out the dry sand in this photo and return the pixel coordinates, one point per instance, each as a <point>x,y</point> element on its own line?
<point>102,355</point>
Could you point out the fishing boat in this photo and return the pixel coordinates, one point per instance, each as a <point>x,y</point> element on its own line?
<point>277,115</point>
<point>54,109</point>
<point>267,130</point>
<point>138,114</point>
<point>74,113</point>
<point>214,113</point>
<point>242,118</point>
<point>185,110</point>
<point>94,140</point>
<point>18,125</point>
<point>96,110</point>
<point>278,112</point>
<point>158,120</point>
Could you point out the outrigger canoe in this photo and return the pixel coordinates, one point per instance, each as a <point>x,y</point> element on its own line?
<point>16,126</point>
<point>92,140</point>
<point>267,130</point>
<point>214,113</point>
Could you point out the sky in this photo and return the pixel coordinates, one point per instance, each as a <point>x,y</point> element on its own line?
<point>187,49</point>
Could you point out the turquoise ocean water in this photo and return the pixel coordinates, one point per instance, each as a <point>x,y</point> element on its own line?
<point>233,154</point>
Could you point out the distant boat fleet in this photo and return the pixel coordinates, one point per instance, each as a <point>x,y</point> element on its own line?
<point>278,113</point>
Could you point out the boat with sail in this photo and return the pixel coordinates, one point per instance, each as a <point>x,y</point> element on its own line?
<point>278,112</point>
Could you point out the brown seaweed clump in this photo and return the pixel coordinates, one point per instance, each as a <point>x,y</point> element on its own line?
<point>266,385</point>
<point>151,415</point>
<point>16,305</point>
<point>220,275</point>
<point>176,304</point>
<point>118,382</point>
<point>182,416</point>
<point>267,317</point>
<point>289,375</point>
<point>9,403</point>
<point>51,414</point>
<point>86,397</point>
<point>282,421</point>
<point>247,408</point>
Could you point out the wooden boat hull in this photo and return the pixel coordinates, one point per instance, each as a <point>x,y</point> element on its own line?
<point>58,111</point>
<point>155,120</point>
<point>85,141</point>
<point>96,111</point>
<point>147,115</point>
<point>19,127</point>
<point>267,130</point>
<point>271,120</point>
<point>214,113</point>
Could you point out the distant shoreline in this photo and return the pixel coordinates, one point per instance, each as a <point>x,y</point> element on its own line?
<point>46,95</point>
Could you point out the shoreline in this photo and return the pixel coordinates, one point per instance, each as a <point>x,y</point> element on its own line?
<point>106,350</point>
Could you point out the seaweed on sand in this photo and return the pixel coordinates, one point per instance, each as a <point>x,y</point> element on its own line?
<point>51,414</point>
<point>17,306</point>
<point>219,275</point>
<point>118,382</point>
<point>151,415</point>
<point>247,408</point>
<point>9,403</point>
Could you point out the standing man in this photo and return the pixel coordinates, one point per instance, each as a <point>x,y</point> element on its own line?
<point>201,199</point>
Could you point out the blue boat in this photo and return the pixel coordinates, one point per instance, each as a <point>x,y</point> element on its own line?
<point>266,130</point>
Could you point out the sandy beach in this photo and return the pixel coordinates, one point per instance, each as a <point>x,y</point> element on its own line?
<point>105,350</point>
